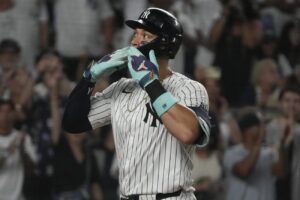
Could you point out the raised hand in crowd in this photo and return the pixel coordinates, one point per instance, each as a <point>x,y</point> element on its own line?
<point>20,87</point>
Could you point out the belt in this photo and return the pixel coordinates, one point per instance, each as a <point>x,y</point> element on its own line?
<point>157,196</point>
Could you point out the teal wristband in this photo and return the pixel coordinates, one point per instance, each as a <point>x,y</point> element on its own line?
<point>163,103</point>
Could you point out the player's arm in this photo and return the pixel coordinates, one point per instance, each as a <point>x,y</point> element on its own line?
<point>182,123</point>
<point>75,117</point>
<point>187,124</point>
<point>78,107</point>
<point>187,117</point>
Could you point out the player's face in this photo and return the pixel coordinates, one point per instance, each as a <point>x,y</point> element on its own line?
<point>141,36</point>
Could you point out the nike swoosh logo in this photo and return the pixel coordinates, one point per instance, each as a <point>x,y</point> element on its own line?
<point>126,91</point>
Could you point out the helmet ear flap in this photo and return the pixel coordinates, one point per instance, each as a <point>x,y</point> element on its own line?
<point>164,46</point>
<point>170,45</point>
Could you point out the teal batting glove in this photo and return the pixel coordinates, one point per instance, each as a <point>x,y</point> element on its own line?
<point>107,65</point>
<point>141,69</point>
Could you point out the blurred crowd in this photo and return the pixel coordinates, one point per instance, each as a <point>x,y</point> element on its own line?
<point>245,52</point>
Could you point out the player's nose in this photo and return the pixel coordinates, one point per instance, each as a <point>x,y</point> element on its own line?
<point>137,41</point>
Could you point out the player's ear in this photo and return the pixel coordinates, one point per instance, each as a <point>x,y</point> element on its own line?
<point>152,57</point>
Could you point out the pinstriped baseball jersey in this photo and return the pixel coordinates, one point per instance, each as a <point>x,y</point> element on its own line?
<point>150,159</point>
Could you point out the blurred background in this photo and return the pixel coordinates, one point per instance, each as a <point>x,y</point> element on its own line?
<point>245,52</point>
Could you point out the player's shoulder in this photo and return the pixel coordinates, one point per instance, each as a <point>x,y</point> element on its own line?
<point>183,82</point>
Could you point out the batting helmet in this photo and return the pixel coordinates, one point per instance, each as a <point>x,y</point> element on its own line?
<point>165,26</point>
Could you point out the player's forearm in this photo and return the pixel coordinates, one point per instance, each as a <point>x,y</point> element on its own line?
<point>179,120</point>
<point>182,123</point>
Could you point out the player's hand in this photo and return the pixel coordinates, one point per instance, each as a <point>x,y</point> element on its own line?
<point>107,65</point>
<point>141,69</point>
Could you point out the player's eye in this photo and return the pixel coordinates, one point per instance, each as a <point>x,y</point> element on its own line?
<point>148,36</point>
<point>134,35</point>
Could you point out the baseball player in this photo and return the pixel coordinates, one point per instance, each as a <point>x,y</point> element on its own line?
<point>158,116</point>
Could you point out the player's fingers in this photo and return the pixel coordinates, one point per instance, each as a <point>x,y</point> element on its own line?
<point>129,64</point>
<point>134,51</point>
<point>119,56</point>
<point>116,63</point>
<point>122,50</point>
<point>98,68</point>
<point>129,61</point>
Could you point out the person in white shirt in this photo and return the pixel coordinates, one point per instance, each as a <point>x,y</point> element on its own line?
<point>15,148</point>
<point>84,30</point>
<point>251,167</point>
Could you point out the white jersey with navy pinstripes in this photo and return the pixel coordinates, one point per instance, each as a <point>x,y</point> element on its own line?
<point>150,159</point>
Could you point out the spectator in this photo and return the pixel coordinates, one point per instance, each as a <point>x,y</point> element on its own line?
<point>273,16</point>
<point>9,60</point>
<point>26,22</point>
<point>210,78</point>
<point>41,123</point>
<point>294,79</point>
<point>289,43</point>
<point>289,100</point>
<point>75,172</point>
<point>235,39</point>
<point>16,149</point>
<point>286,125</point>
<point>269,50</point>
<point>16,81</point>
<point>90,24</point>
<point>229,131</point>
<point>74,168</point>
<point>266,88</point>
<point>197,17</point>
<point>207,171</point>
<point>250,167</point>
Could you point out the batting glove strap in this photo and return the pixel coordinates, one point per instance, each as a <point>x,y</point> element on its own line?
<point>161,100</point>
<point>88,76</point>
<point>146,80</point>
<point>163,103</point>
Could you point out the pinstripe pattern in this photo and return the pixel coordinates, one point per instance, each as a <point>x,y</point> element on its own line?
<point>150,159</point>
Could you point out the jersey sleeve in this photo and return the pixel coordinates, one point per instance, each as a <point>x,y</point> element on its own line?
<point>194,96</point>
<point>100,111</point>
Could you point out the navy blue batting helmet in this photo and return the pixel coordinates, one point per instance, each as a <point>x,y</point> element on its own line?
<point>163,24</point>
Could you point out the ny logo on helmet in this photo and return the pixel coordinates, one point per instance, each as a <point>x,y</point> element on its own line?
<point>145,14</point>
